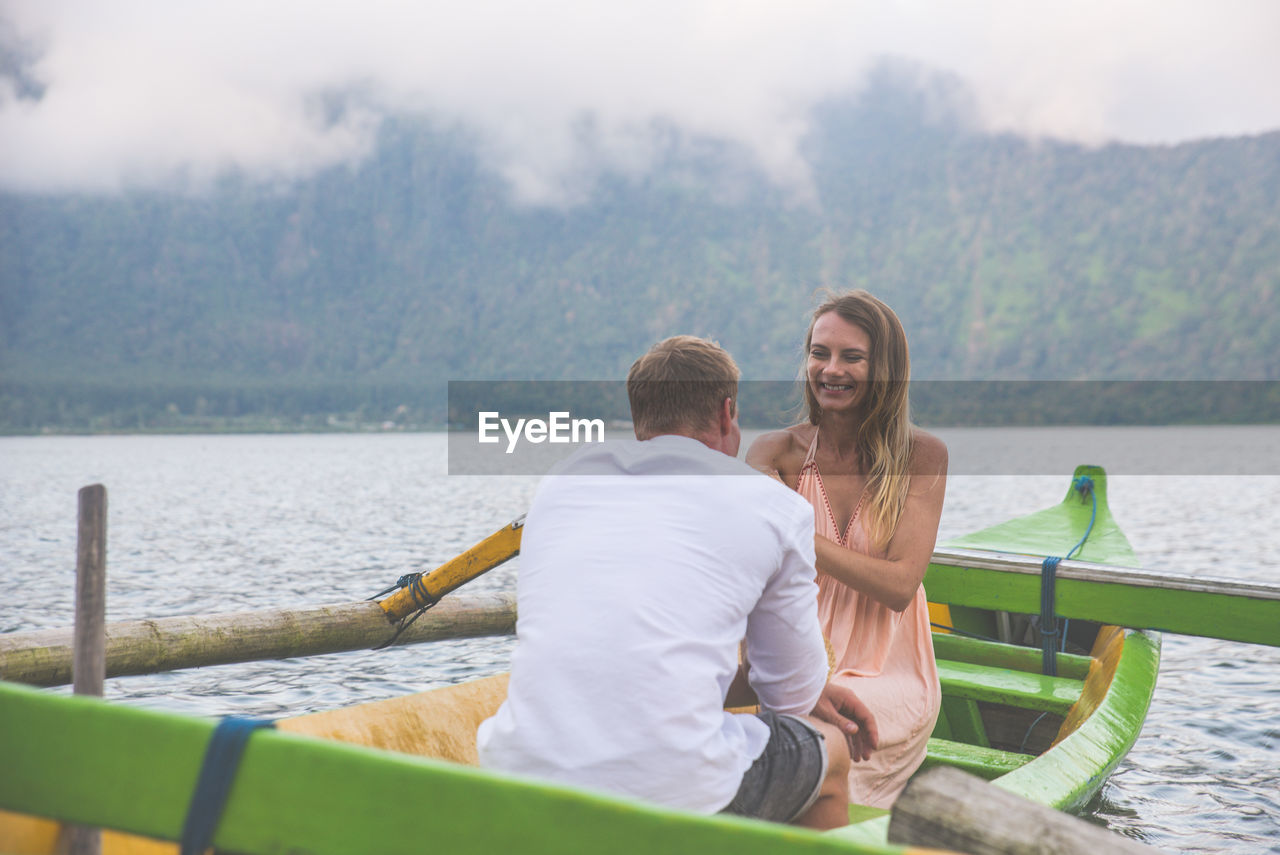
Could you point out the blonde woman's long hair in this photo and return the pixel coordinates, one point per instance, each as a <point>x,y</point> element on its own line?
<point>884,436</point>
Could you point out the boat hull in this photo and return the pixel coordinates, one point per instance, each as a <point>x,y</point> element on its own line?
<point>91,762</point>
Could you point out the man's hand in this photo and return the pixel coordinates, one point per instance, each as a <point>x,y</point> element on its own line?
<point>840,706</point>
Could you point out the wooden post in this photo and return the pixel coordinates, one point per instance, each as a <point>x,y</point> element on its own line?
<point>945,808</point>
<point>89,661</point>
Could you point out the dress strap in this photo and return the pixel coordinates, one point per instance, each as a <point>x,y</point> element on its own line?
<point>810,458</point>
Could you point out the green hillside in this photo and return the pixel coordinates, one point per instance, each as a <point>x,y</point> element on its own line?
<point>357,294</point>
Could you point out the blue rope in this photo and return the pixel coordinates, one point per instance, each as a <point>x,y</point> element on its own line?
<point>221,760</point>
<point>1022,747</point>
<point>1048,622</point>
<point>1084,486</point>
<point>1051,638</point>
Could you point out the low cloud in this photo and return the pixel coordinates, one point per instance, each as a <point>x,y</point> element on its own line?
<point>103,96</point>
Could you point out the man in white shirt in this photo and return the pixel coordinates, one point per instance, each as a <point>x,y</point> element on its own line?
<point>644,565</point>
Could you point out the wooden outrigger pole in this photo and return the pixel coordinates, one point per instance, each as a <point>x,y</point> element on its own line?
<point>43,657</point>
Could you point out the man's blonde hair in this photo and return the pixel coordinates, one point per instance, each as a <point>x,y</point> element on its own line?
<point>678,386</point>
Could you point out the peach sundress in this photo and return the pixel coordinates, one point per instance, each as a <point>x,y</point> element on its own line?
<point>885,657</point>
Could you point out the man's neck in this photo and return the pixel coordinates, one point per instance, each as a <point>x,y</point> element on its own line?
<point>710,439</point>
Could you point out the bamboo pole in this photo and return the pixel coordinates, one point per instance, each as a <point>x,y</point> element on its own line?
<point>44,657</point>
<point>88,665</point>
<point>945,808</point>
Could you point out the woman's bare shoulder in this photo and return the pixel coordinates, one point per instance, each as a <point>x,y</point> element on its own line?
<point>782,450</point>
<point>928,453</point>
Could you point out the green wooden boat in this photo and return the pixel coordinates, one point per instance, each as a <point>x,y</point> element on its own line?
<point>398,775</point>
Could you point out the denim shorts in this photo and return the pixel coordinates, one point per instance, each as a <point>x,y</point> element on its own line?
<point>785,780</point>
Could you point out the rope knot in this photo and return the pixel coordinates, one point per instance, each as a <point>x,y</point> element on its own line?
<point>403,582</point>
<point>1084,486</point>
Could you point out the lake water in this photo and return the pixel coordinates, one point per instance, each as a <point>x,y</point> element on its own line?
<point>205,524</point>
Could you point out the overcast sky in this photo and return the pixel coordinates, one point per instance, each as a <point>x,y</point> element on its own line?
<point>103,94</point>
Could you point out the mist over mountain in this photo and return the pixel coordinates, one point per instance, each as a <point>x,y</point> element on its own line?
<point>366,288</point>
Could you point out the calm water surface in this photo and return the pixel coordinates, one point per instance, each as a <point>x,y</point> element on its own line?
<point>203,524</point>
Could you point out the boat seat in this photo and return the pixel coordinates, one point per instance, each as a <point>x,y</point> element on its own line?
<point>957,648</point>
<point>984,762</point>
<point>1014,688</point>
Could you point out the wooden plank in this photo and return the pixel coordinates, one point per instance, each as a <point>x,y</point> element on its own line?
<point>950,809</point>
<point>1016,688</point>
<point>986,763</point>
<point>43,657</point>
<point>88,761</point>
<point>1127,596</point>
<point>1011,729</point>
<point>958,648</point>
<point>1106,573</point>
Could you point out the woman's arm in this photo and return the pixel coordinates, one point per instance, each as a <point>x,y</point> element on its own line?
<point>777,455</point>
<point>893,580</point>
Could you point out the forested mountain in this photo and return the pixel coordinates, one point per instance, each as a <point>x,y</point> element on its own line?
<point>364,289</point>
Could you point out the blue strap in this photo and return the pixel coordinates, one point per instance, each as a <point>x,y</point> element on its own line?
<point>1048,625</point>
<point>1048,621</point>
<point>221,760</point>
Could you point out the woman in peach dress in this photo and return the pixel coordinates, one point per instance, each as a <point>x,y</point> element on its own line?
<point>876,483</point>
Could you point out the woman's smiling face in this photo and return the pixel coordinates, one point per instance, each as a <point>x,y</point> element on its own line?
<point>838,365</point>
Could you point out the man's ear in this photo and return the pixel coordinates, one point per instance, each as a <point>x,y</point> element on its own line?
<point>727,410</point>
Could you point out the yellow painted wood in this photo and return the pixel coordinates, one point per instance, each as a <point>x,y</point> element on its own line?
<point>496,549</point>
<point>28,835</point>
<point>940,617</point>
<point>33,835</point>
<point>440,723</point>
<point>1107,649</point>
